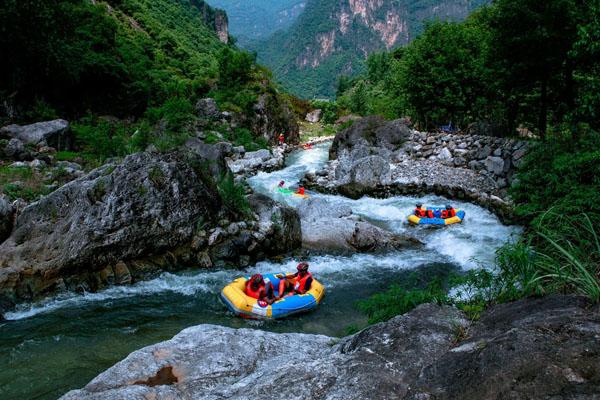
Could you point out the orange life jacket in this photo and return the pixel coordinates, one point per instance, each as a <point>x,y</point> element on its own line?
<point>300,283</point>
<point>429,213</point>
<point>444,214</point>
<point>301,190</point>
<point>451,213</point>
<point>419,212</point>
<point>255,294</point>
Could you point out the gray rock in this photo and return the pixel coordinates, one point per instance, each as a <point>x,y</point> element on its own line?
<point>494,165</point>
<point>498,152</point>
<point>484,153</point>
<point>319,208</point>
<point>445,155</point>
<point>370,132</point>
<point>262,154</point>
<point>207,109</point>
<point>149,204</point>
<point>37,164</point>
<point>68,164</point>
<point>54,133</point>
<point>314,116</point>
<point>19,164</point>
<point>6,217</point>
<point>212,362</point>
<point>286,235</point>
<point>14,149</point>
<point>459,161</point>
<point>531,349</point>
<point>345,236</point>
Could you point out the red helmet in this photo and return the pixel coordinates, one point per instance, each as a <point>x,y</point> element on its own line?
<point>303,266</point>
<point>257,278</point>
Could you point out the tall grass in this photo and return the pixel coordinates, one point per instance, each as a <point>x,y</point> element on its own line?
<point>560,254</point>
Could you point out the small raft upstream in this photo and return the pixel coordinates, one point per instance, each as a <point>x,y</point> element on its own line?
<point>290,192</point>
<point>439,221</point>
<point>237,301</point>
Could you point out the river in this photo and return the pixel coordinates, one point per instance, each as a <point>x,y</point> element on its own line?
<point>50,347</point>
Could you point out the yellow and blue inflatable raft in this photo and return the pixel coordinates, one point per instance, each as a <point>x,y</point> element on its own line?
<point>237,301</point>
<point>437,211</point>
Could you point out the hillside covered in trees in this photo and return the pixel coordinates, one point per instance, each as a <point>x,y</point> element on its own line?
<point>144,63</point>
<point>331,38</point>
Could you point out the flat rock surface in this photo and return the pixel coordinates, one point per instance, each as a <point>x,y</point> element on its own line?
<point>211,362</point>
<point>436,173</point>
<point>532,349</point>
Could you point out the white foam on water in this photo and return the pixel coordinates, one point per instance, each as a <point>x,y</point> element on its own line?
<point>185,284</point>
<point>469,245</point>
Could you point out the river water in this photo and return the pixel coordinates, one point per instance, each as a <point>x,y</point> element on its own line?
<point>61,343</point>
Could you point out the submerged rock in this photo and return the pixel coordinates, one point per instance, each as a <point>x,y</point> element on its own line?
<point>532,349</point>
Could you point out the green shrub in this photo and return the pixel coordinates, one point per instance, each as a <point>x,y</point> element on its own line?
<point>102,139</point>
<point>233,196</point>
<point>399,300</point>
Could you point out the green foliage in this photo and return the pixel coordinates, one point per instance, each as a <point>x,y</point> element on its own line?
<point>233,196</point>
<point>102,139</point>
<point>295,55</point>
<point>562,175</point>
<point>489,68</point>
<point>399,300</point>
<point>329,109</point>
<point>23,182</point>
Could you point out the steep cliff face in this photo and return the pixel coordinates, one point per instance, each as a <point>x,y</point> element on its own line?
<point>215,19</point>
<point>252,20</point>
<point>334,37</point>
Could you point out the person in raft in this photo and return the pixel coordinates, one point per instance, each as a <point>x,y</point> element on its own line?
<point>300,191</point>
<point>281,184</point>
<point>298,283</point>
<point>258,289</point>
<point>281,139</point>
<point>449,212</point>
<point>419,212</point>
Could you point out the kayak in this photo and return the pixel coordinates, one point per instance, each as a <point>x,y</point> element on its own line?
<point>290,192</point>
<point>237,301</point>
<point>458,218</point>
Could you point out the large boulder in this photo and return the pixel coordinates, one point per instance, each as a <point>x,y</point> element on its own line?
<point>6,217</point>
<point>330,228</point>
<point>279,222</point>
<point>532,349</point>
<point>372,132</point>
<point>213,362</point>
<point>347,236</point>
<point>366,174</point>
<point>149,204</point>
<point>54,133</point>
<point>318,208</point>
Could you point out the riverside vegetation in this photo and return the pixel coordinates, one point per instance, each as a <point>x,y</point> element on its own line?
<point>491,75</point>
<point>139,75</point>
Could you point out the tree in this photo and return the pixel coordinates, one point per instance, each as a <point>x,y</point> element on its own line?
<point>443,75</point>
<point>531,41</point>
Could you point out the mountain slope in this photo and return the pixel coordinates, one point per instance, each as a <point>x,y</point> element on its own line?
<point>113,57</point>
<point>334,37</point>
<point>253,20</point>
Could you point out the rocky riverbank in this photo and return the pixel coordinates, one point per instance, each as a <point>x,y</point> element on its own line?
<point>379,158</point>
<point>536,348</point>
<point>127,220</point>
